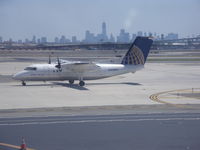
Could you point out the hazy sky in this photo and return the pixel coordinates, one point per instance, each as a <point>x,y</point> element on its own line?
<point>22,19</point>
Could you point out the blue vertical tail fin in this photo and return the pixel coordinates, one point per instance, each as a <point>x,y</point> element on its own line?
<point>138,52</point>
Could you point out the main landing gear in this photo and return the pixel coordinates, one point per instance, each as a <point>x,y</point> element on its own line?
<point>23,83</point>
<point>81,83</point>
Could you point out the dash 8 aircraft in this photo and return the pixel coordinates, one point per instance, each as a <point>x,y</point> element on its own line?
<point>133,61</point>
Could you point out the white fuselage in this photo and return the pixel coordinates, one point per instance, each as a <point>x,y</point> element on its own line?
<point>48,72</point>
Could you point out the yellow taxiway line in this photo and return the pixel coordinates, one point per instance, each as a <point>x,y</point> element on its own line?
<point>156,97</point>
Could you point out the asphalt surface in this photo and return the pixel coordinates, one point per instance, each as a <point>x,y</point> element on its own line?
<point>105,132</point>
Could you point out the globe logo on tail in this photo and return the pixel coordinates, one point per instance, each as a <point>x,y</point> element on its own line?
<point>134,57</point>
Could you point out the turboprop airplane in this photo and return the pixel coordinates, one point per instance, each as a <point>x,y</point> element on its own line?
<point>133,61</point>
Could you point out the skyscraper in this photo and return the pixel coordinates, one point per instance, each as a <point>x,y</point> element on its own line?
<point>112,39</point>
<point>56,40</point>
<point>150,34</point>
<point>123,37</point>
<point>34,39</point>
<point>104,29</point>
<point>162,36</point>
<point>103,36</point>
<point>62,39</point>
<point>74,39</point>
<point>89,37</point>
<point>1,39</point>
<point>43,40</point>
<point>140,33</point>
<point>38,41</point>
<point>133,37</point>
<point>27,41</point>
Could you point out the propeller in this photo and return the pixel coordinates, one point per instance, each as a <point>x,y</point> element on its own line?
<point>49,62</point>
<point>59,64</point>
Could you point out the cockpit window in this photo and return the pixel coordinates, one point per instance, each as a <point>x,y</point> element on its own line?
<point>30,68</point>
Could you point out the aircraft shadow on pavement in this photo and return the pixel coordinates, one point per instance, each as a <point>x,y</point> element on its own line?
<point>42,84</point>
<point>73,86</point>
<point>77,87</point>
<point>52,84</point>
<point>103,83</point>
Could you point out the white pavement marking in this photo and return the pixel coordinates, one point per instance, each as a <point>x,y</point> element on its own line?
<point>96,121</point>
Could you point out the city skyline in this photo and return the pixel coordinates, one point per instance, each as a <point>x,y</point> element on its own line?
<point>22,19</point>
<point>122,37</point>
<point>100,37</point>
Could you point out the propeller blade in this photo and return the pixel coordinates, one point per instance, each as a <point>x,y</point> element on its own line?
<point>58,65</point>
<point>49,62</point>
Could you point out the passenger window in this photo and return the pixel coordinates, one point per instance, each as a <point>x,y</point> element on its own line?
<point>31,68</point>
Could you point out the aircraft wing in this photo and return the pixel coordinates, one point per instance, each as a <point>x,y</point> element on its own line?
<point>81,67</point>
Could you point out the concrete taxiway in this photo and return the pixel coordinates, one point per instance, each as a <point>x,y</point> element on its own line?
<point>127,89</point>
<point>145,87</point>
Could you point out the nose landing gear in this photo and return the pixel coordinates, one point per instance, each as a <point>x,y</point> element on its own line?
<point>71,81</point>
<point>23,83</point>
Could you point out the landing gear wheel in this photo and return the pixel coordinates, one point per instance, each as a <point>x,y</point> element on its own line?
<point>23,83</point>
<point>81,83</point>
<point>71,81</point>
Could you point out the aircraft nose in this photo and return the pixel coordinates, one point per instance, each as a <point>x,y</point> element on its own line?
<point>17,76</point>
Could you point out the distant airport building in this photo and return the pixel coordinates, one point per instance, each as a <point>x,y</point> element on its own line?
<point>19,42</point>
<point>171,36</point>
<point>1,39</point>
